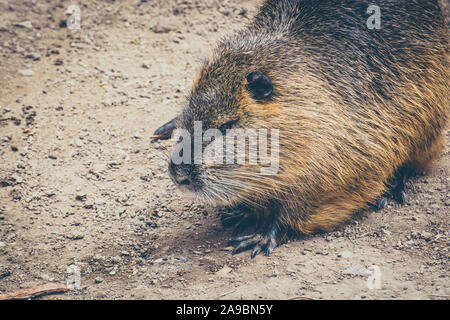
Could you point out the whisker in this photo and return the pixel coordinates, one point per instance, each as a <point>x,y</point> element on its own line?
<point>162,152</point>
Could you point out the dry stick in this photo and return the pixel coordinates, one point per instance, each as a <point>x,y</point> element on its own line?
<point>48,288</point>
<point>301,298</point>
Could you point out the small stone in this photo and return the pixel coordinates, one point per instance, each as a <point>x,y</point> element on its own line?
<point>356,270</point>
<point>2,244</point>
<point>26,73</point>
<point>275,273</point>
<point>161,28</point>
<point>75,235</point>
<point>4,272</point>
<point>146,64</point>
<point>345,254</point>
<point>426,235</point>
<point>46,277</point>
<point>290,271</point>
<point>116,259</point>
<point>78,45</point>
<point>24,24</point>
<point>34,56</point>
<point>225,270</point>
<point>99,201</point>
<point>98,280</point>
<point>81,197</point>
<point>3,26</point>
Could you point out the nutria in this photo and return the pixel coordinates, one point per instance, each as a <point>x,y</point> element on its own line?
<point>358,110</point>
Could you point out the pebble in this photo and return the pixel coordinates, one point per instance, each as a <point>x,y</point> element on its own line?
<point>34,56</point>
<point>75,235</point>
<point>47,277</point>
<point>426,235</point>
<point>113,271</point>
<point>2,244</point>
<point>24,24</point>
<point>161,28</point>
<point>225,270</point>
<point>26,72</point>
<point>98,280</point>
<point>116,259</point>
<point>275,273</point>
<point>146,64</point>
<point>138,135</point>
<point>290,271</point>
<point>81,197</point>
<point>4,272</point>
<point>345,254</point>
<point>356,270</point>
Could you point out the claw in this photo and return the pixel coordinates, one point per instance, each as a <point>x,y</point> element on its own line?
<point>400,197</point>
<point>382,203</point>
<point>236,241</point>
<point>258,243</point>
<point>256,250</point>
<point>271,244</point>
<point>397,190</point>
<point>245,245</point>
<point>272,239</point>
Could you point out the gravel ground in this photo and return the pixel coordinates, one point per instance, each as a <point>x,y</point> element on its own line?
<point>81,185</point>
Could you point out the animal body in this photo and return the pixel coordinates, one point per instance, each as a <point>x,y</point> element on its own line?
<point>358,111</point>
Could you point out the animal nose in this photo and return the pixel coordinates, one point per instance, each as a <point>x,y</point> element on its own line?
<point>185,182</point>
<point>178,175</point>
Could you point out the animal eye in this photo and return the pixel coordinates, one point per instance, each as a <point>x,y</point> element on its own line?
<point>258,85</point>
<point>228,125</point>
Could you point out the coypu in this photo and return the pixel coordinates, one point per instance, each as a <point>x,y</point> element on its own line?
<point>359,110</point>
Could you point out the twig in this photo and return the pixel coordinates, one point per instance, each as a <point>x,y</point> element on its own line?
<point>227,293</point>
<point>301,298</point>
<point>48,288</point>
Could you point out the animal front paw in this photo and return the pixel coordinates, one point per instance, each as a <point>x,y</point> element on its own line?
<point>266,242</point>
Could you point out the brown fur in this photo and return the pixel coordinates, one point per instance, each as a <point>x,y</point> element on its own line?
<point>352,107</point>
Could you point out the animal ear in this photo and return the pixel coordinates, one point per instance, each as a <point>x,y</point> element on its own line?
<point>258,85</point>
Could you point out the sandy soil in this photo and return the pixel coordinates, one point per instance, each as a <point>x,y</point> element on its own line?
<point>81,184</point>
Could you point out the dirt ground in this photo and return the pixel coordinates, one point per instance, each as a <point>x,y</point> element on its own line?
<point>81,185</point>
